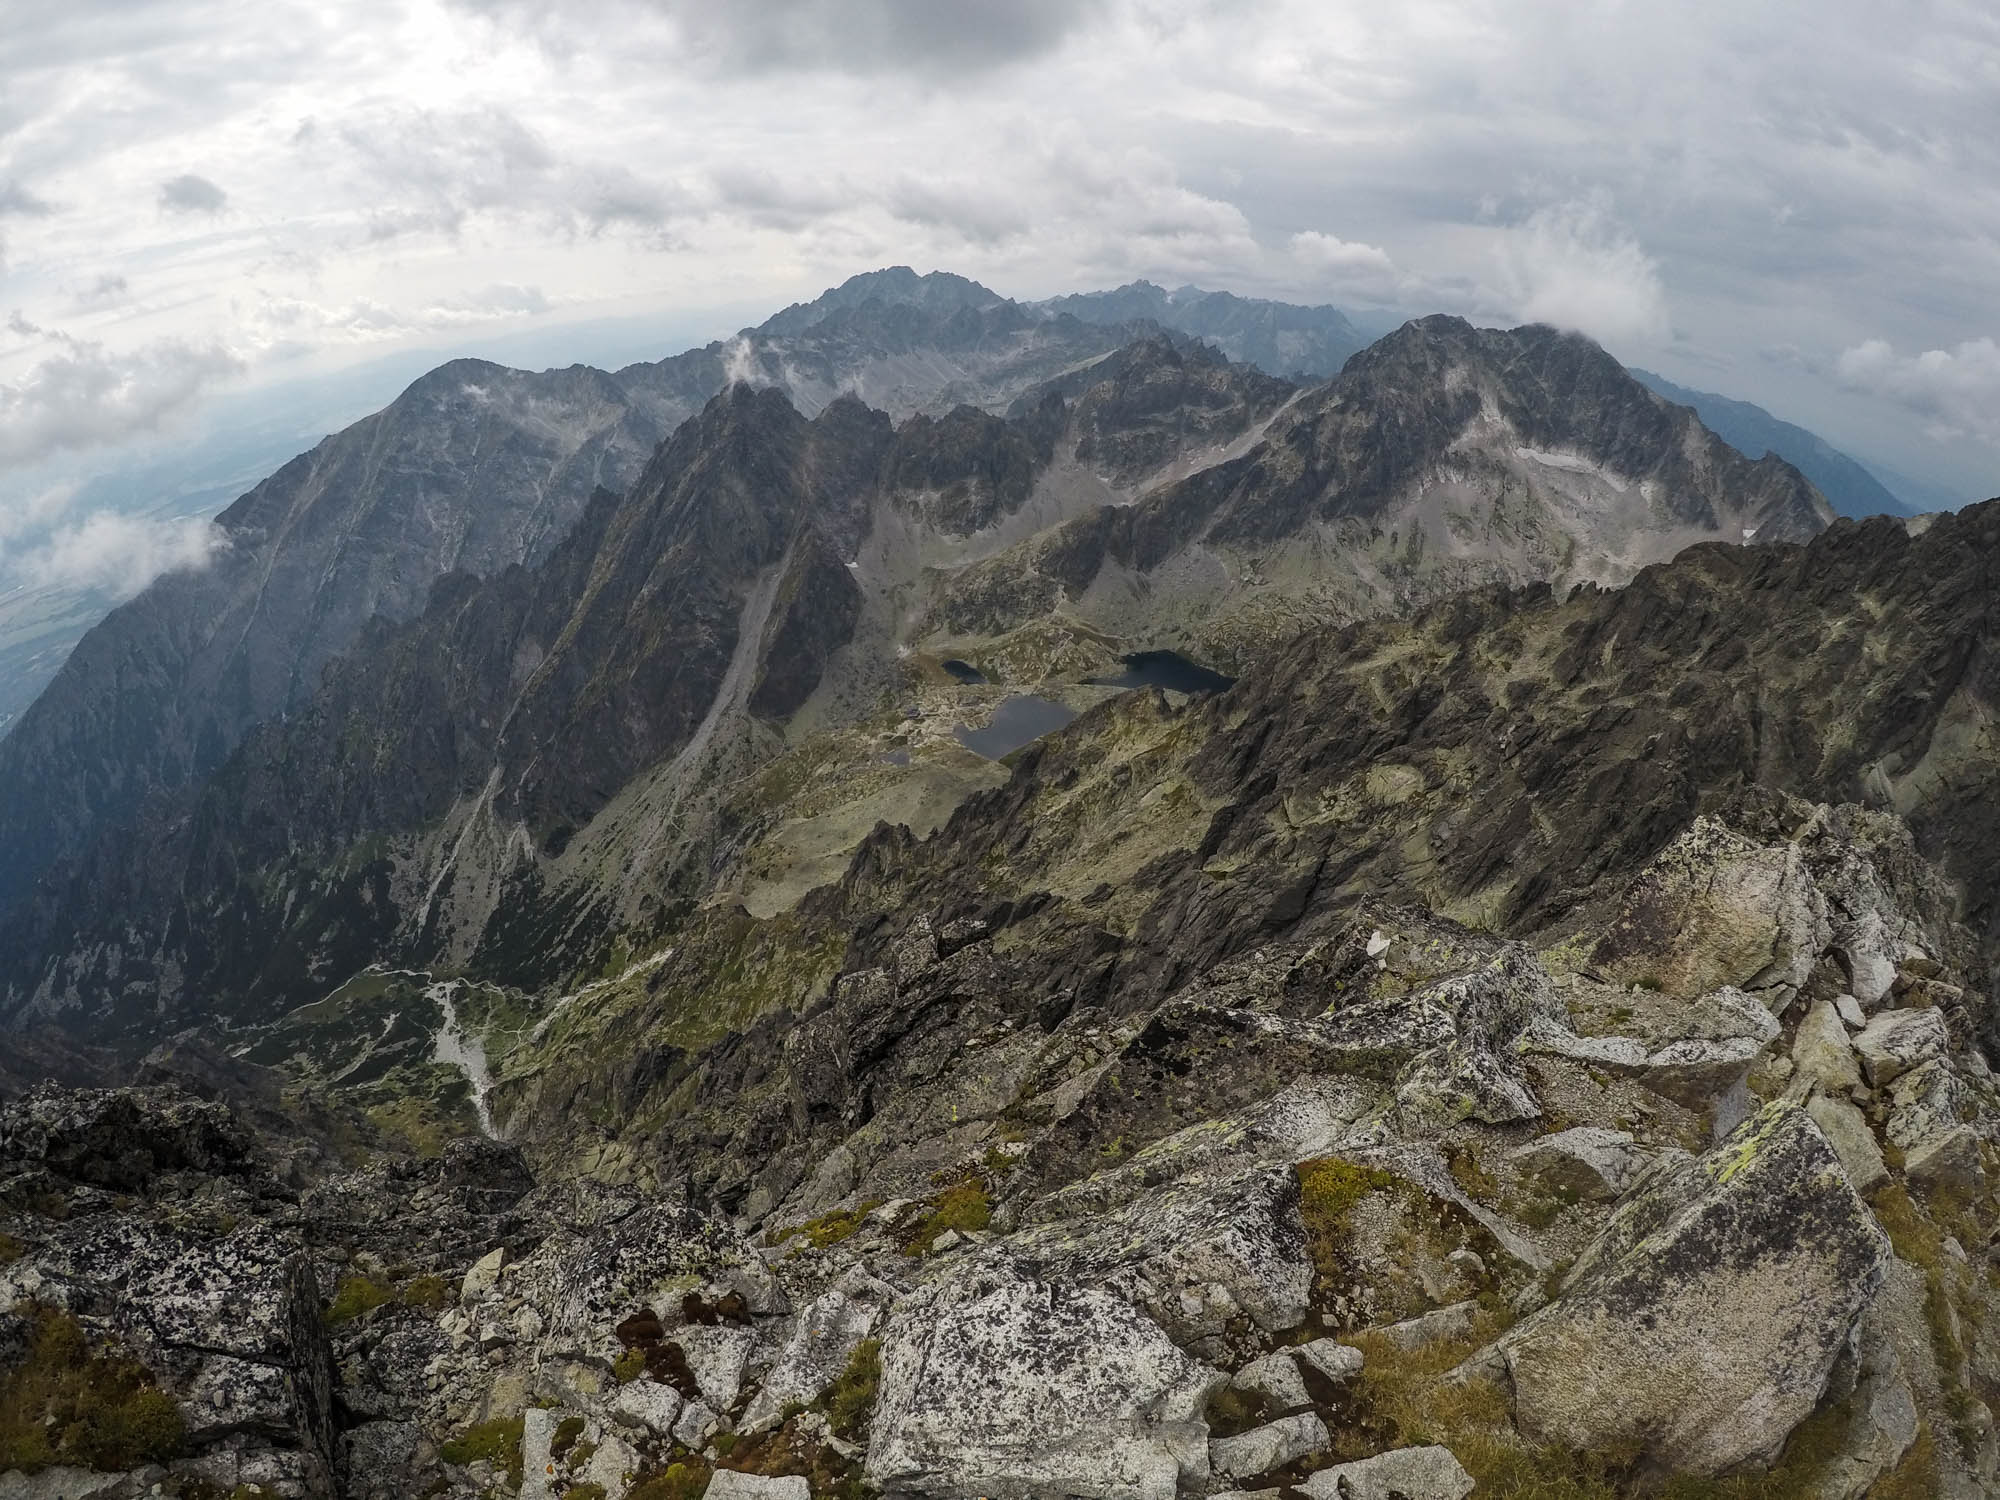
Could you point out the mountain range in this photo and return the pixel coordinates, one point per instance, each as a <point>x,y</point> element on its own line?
<point>952,897</point>
<point>215,800</point>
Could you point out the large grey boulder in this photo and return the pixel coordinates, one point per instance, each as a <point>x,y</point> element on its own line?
<point>1276,1378</point>
<point>730,1485</point>
<point>1431,1473</point>
<point>232,1327</point>
<point>822,1340</point>
<point>1024,1389</point>
<point>1822,1052</point>
<point>1703,1323</point>
<point>1896,1041</point>
<point>1852,1141</point>
<point>1593,1163</point>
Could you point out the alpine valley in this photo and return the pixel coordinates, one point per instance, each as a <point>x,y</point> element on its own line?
<point>1131,896</point>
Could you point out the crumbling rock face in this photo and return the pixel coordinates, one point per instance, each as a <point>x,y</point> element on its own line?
<point>119,1138</point>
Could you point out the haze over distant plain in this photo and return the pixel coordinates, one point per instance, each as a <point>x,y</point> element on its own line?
<point>1789,203</point>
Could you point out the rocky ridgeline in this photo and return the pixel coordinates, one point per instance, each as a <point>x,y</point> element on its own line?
<point>1696,1199</point>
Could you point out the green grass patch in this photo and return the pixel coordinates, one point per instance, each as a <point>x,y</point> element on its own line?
<point>963,1206</point>
<point>830,1229</point>
<point>686,1480</point>
<point>357,1295</point>
<point>65,1404</point>
<point>497,1442</point>
<point>851,1399</point>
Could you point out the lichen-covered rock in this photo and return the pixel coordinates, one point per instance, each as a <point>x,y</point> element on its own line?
<point>1272,1446</point>
<point>234,1326</point>
<point>1703,1324</point>
<point>1951,1160</point>
<point>1717,907</point>
<point>1852,1141</point>
<point>1925,1102</point>
<point>824,1336</point>
<point>1896,1041</point>
<point>728,1484</point>
<point>1432,1473</point>
<point>581,1286</point>
<point>120,1138</point>
<point>646,1403</point>
<point>1196,1255</point>
<point>1276,1378</point>
<point>1593,1163</point>
<point>1024,1389</point>
<point>1822,1052</point>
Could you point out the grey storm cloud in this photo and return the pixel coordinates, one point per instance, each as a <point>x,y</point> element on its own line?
<point>17,200</point>
<point>189,194</point>
<point>82,395</point>
<point>877,36</point>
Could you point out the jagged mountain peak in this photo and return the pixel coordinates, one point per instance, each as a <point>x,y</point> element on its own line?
<point>934,291</point>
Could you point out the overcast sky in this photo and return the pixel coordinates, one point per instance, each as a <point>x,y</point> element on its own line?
<point>1795,203</point>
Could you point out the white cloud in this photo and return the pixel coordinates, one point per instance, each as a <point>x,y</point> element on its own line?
<point>84,395</point>
<point>1348,268</point>
<point>189,194</point>
<point>117,555</point>
<point>1575,266</point>
<point>1955,391</point>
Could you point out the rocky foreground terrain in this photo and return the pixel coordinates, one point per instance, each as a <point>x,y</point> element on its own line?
<point>1696,1200</point>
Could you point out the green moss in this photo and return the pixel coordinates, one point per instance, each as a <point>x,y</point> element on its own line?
<point>830,1229</point>
<point>686,1480</point>
<point>584,1492</point>
<point>357,1295</point>
<point>963,1206</point>
<point>65,1404</point>
<point>497,1442</point>
<point>725,1443</point>
<point>629,1366</point>
<point>568,1430</point>
<point>1329,1188</point>
<point>851,1400</point>
<point>432,1293</point>
<point>11,1249</point>
<point>1404,1398</point>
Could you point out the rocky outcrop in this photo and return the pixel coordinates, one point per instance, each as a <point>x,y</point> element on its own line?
<point>1704,1323</point>
<point>1025,1389</point>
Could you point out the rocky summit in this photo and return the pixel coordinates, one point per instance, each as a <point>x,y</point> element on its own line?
<point>1078,919</point>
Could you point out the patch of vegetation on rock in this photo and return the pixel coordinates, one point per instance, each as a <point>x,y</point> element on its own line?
<point>851,1399</point>
<point>829,1229</point>
<point>497,1442</point>
<point>62,1403</point>
<point>684,1480</point>
<point>1410,1397</point>
<point>355,1296</point>
<point>964,1205</point>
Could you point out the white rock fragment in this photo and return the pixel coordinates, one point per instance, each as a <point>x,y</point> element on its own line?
<point>483,1277</point>
<point>1896,1041</point>
<point>1269,1447</point>
<point>1822,1051</point>
<point>728,1484</point>
<point>1852,1141</point>
<point>650,1404</point>
<point>1432,1473</point>
<point>1593,1163</point>
<point>1338,1362</point>
<point>1276,1378</point>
